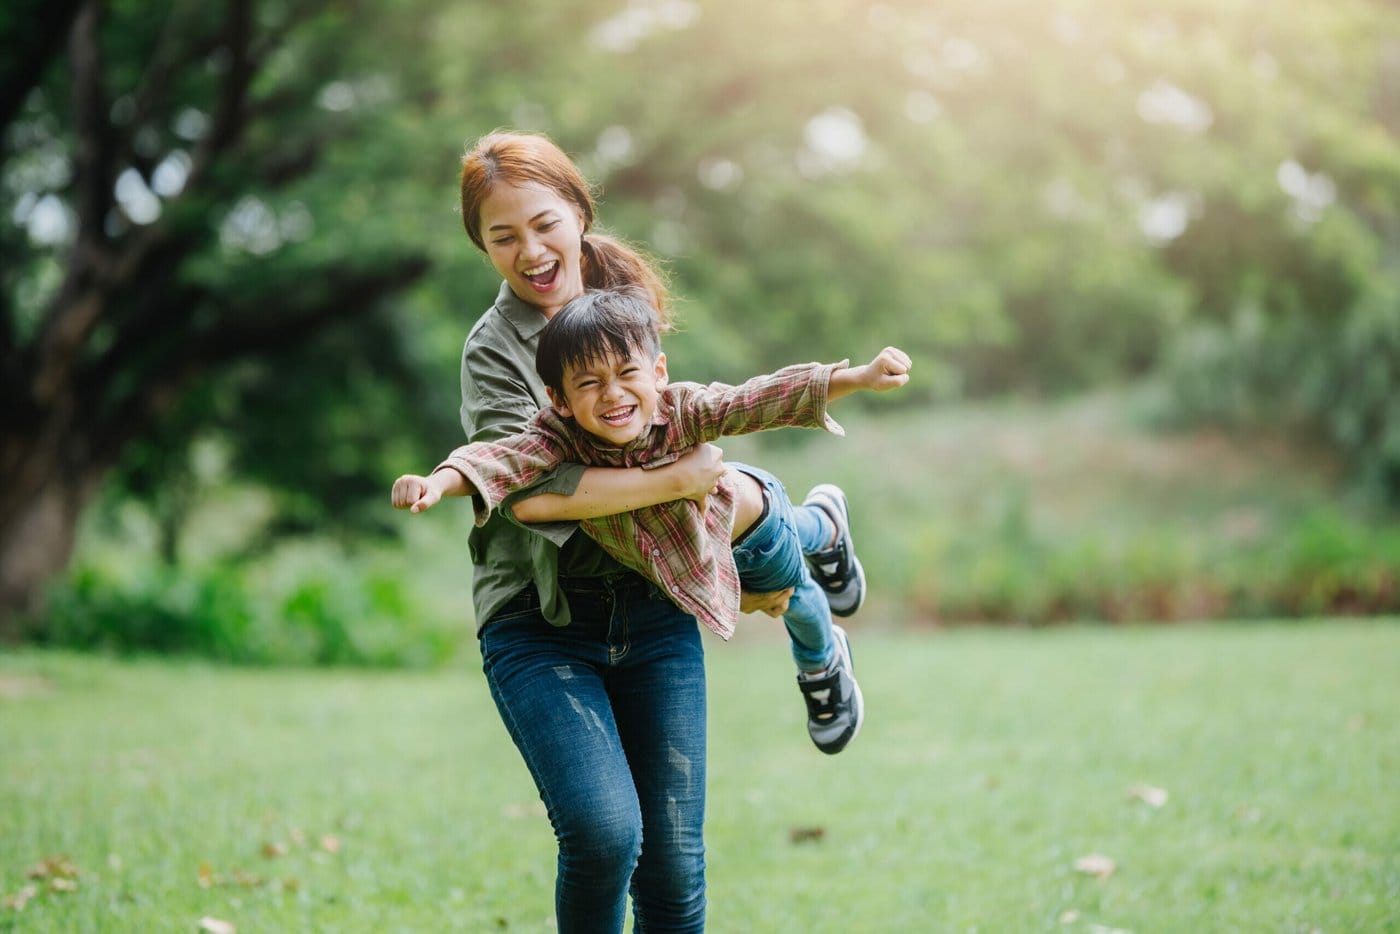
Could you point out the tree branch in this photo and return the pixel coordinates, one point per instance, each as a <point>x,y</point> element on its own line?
<point>230,111</point>
<point>92,158</point>
<point>240,333</point>
<point>80,301</point>
<point>31,44</point>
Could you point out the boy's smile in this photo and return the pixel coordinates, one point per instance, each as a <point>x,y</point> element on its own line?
<point>613,398</point>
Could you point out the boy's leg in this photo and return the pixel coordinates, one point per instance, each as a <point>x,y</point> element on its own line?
<point>823,522</point>
<point>835,708</point>
<point>769,557</point>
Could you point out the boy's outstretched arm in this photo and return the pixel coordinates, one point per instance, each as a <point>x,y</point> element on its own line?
<point>889,370</point>
<point>416,493</point>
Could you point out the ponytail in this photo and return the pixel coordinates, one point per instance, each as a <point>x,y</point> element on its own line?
<point>609,263</point>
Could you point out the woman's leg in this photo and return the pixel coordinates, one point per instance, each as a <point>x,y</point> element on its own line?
<point>657,685</point>
<point>550,686</point>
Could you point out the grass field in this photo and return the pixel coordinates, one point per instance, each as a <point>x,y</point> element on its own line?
<point>145,796</point>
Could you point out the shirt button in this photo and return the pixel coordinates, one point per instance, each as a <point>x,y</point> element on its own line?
<point>675,588</point>
<point>656,552</point>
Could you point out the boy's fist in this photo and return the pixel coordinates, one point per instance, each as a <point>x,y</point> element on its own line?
<point>889,370</point>
<point>415,493</point>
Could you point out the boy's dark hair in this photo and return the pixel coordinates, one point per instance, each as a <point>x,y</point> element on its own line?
<point>597,324</point>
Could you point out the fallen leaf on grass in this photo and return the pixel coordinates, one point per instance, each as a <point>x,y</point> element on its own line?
<point>806,834</point>
<point>14,687</point>
<point>60,884</point>
<point>244,880</point>
<point>1148,794</point>
<point>330,843</point>
<point>216,926</point>
<point>18,900</point>
<point>208,878</point>
<point>1096,865</point>
<point>274,849</point>
<point>1069,916</point>
<point>52,867</point>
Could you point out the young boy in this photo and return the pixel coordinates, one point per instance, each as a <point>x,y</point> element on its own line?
<point>601,361</point>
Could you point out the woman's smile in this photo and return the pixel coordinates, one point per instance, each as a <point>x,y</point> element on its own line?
<point>542,276</point>
<point>534,240</point>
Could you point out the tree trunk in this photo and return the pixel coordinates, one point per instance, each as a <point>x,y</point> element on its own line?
<point>38,523</point>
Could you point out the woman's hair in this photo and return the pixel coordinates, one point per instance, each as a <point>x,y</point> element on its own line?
<point>511,158</point>
<point>593,327</point>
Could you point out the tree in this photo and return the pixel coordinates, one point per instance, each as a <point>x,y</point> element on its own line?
<point>168,163</point>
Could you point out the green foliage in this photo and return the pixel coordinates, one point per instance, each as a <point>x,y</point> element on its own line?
<point>1028,199</point>
<point>225,612</point>
<point>1031,200</point>
<point>1328,563</point>
<point>1083,510</point>
<point>1332,373</point>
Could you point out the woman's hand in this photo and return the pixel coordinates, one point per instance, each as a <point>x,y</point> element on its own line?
<point>774,604</point>
<point>698,471</point>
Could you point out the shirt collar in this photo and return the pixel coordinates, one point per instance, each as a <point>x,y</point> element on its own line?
<point>527,320</point>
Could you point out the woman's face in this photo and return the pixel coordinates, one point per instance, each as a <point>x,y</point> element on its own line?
<point>534,240</point>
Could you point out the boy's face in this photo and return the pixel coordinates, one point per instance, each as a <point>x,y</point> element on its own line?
<point>613,398</point>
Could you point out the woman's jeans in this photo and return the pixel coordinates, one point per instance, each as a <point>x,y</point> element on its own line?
<point>609,715</point>
<point>769,558</point>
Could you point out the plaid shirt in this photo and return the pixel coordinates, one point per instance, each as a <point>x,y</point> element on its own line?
<point>677,546</point>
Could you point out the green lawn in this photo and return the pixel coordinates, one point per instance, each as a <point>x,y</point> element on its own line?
<point>991,761</point>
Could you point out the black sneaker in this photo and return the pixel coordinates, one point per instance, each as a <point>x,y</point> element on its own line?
<point>834,706</point>
<point>837,569</point>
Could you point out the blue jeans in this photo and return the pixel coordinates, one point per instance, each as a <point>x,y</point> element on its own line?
<point>769,558</point>
<point>609,715</point>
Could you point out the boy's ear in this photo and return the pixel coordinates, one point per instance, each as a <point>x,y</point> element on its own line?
<point>561,405</point>
<point>662,377</point>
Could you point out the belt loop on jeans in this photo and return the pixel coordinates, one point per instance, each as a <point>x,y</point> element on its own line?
<point>602,583</point>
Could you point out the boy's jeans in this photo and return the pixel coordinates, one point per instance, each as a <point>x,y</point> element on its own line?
<point>770,558</point>
<point>609,715</point>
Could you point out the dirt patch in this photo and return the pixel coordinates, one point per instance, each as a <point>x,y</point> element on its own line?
<point>18,687</point>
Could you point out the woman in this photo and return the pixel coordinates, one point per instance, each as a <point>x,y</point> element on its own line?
<point>597,676</point>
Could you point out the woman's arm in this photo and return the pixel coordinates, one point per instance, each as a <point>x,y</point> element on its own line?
<point>606,491</point>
